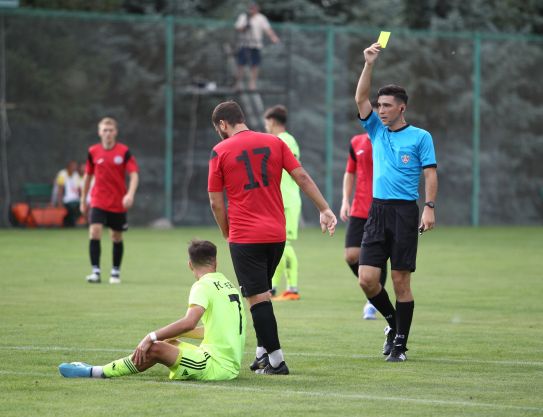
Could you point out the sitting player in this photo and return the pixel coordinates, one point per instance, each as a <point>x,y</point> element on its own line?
<point>215,301</point>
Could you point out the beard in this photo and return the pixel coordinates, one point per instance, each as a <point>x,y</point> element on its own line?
<point>223,134</point>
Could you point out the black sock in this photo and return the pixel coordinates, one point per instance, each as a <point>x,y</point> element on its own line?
<point>383,278</point>
<point>94,250</point>
<point>354,268</point>
<point>382,303</point>
<point>404,316</point>
<point>265,326</point>
<point>117,254</point>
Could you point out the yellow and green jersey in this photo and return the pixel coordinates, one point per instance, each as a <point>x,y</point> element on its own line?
<point>223,319</point>
<point>289,188</point>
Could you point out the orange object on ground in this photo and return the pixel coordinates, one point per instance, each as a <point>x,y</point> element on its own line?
<point>287,296</point>
<point>48,216</point>
<point>21,213</point>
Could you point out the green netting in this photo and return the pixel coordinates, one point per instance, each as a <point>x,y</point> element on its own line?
<point>65,71</point>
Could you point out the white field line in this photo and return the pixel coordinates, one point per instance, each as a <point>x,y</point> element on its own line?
<point>287,353</point>
<point>288,392</point>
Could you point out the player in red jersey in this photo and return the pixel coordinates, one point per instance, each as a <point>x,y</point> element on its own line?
<point>359,165</point>
<point>108,162</point>
<point>248,166</point>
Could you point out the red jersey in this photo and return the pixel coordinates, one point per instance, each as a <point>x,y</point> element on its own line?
<point>249,166</point>
<point>109,167</point>
<point>360,162</point>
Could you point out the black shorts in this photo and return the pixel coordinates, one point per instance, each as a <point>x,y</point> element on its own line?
<point>249,57</point>
<point>355,231</point>
<point>115,221</point>
<point>255,264</point>
<point>391,231</point>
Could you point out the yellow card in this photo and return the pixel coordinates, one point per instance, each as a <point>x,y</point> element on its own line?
<point>383,39</point>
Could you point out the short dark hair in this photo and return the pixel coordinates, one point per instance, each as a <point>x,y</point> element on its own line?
<point>202,252</point>
<point>278,113</point>
<point>393,90</point>
<point>229,111</point>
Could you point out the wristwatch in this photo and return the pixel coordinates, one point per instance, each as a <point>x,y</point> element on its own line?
<point>430,204</point>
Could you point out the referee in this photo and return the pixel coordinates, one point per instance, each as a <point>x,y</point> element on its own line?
<point>400,153</point>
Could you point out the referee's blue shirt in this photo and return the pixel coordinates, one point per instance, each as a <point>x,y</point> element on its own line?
<point>398,158</point>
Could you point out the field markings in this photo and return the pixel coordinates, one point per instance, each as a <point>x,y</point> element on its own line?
<point>301,354</point>
<point>289,392</point>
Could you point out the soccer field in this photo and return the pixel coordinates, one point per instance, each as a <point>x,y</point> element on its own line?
<point>476,345</point>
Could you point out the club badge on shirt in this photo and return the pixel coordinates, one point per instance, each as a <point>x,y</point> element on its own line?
<point>118,160</point>
<point>405,159</point>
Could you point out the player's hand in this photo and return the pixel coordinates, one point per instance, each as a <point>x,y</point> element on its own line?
<point>140,354</point>
<point>83,207</point>
<point>371,53</point>
<point>328,221</point>
<point>128,201</point>
<point>345,211</point>
<point>428,219</point>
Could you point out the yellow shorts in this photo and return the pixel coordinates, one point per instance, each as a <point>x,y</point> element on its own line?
<point>292,217</point>
<point>195,363</point>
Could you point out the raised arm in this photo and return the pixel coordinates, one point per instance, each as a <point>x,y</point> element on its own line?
<point>428,219</point>
<point>363,89</point>
<point>241,22</point>
<point>327,219</point>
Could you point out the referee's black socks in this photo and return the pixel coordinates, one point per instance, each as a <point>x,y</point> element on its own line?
<point>354,268</point>
<point>265,325</point>
<point>382,303</point>
<point>404,316</point>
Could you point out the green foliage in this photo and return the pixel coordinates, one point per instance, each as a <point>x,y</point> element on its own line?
<point>83,5</point>
<point>475,15</point>
<point>474,345</point>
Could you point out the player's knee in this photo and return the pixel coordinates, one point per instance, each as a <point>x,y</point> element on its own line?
<point>351,259</point>
<point>365,283</point>
<point>156,350</point>
<point>351,256</point>
<point>368,281</point>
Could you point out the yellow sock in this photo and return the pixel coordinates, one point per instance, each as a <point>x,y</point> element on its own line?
<point>120,367</point>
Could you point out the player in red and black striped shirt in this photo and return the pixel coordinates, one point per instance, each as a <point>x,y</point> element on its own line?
<point>108,162</point>
<point>248,165</point>
<point>358,173</point>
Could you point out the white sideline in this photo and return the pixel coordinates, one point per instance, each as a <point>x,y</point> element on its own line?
<point>287,353</point>
<point>320,394</point>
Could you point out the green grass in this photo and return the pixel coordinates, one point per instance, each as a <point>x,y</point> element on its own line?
<point>476,344</point>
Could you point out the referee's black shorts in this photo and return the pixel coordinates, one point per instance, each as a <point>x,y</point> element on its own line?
<point>255,264</point>
<point>355,231</point>
<point>391,231</point>
<point>115,221</point>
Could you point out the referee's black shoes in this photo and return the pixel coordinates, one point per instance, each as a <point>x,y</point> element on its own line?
<point>389,341</point>
<point>397,354</point>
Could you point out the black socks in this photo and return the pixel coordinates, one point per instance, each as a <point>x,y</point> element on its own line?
<point>265,326</point>
<point>382,303</point>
